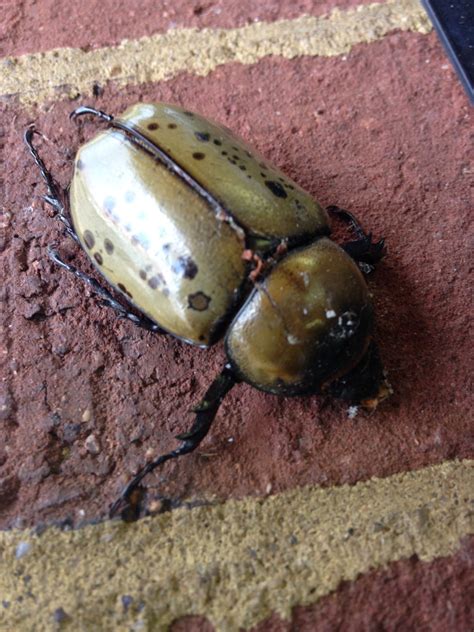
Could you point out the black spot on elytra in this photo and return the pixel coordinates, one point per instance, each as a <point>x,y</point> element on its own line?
<point>185,267</point>
<point>129,196</point>
<point>235,157</point>
<point>224,153</point>
<point>276,188</point>
<point>243,168</point>
<point>109,203</point>
<point>155,281</point>
<point>98,258</point>
<point>198,155</point>
<point>152,126</point>
<point>79,165</point>
<point>190,114</point>
<point>264,175</point>
<point>88,239</point>
<point>109,246</point>
<point>198,301</point>
<point>204,137</point>
<point>142,274</point>
<point>122,287</point>
<point>217,142</point>
<point>172,126</point>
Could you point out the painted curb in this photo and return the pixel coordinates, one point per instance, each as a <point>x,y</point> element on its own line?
<point>231,562</point>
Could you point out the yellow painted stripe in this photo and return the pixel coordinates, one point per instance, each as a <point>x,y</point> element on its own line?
<point>236,562</point>
<point>70,72</point>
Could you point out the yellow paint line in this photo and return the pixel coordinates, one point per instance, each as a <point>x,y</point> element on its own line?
<point>70,72</point>
<point>236,562</point>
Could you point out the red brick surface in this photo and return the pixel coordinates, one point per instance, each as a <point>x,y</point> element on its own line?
<point>29,26</point>
<point>384,133</point>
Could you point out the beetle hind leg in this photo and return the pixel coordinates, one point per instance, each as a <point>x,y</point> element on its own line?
<point>363,250</point>
<point>56,194</point>
<point>106,297</point>
<point>206,412</point>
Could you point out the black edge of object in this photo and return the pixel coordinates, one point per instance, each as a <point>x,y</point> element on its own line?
<point>454,23</point>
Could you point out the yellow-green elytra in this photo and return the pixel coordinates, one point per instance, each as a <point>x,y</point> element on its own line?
<point>174,250</point>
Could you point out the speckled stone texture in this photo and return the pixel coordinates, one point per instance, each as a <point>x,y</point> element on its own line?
<point>29,26</point>
<point>408,595</point>
<point>385,132</point>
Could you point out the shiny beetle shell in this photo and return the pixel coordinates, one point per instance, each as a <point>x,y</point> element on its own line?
<point>175,250</point>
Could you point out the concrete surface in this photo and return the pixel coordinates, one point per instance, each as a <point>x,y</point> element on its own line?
<point>235,562</point>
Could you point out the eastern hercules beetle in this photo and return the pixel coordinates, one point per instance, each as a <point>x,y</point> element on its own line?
<point>202,236</point>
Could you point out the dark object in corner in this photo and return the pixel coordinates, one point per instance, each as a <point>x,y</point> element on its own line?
<point>454,23</point>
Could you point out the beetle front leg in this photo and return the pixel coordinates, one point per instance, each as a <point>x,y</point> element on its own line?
<point>56,194</point>
<point>206,412</point>
<point>106,297</point>
<point>363,250</point>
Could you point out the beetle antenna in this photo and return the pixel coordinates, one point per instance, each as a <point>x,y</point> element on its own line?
<point>84,109</point>
<point>55,195</point>
<point>206,412</point>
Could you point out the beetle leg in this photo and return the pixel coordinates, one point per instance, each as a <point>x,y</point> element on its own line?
<point>206,412</point>
<point>363,249</point>
<point>55,193</point>
<point>106,297</point>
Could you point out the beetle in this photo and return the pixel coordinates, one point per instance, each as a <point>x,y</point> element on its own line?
<point>204,238</point>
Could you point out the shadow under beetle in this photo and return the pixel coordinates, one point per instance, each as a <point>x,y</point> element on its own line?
<point>202,236</point>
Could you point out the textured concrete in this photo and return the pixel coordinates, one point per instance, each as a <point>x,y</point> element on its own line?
<point>72,72</point>
<point>236,562</point>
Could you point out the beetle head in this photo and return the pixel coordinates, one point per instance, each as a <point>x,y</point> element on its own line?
<point>366,384</point>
